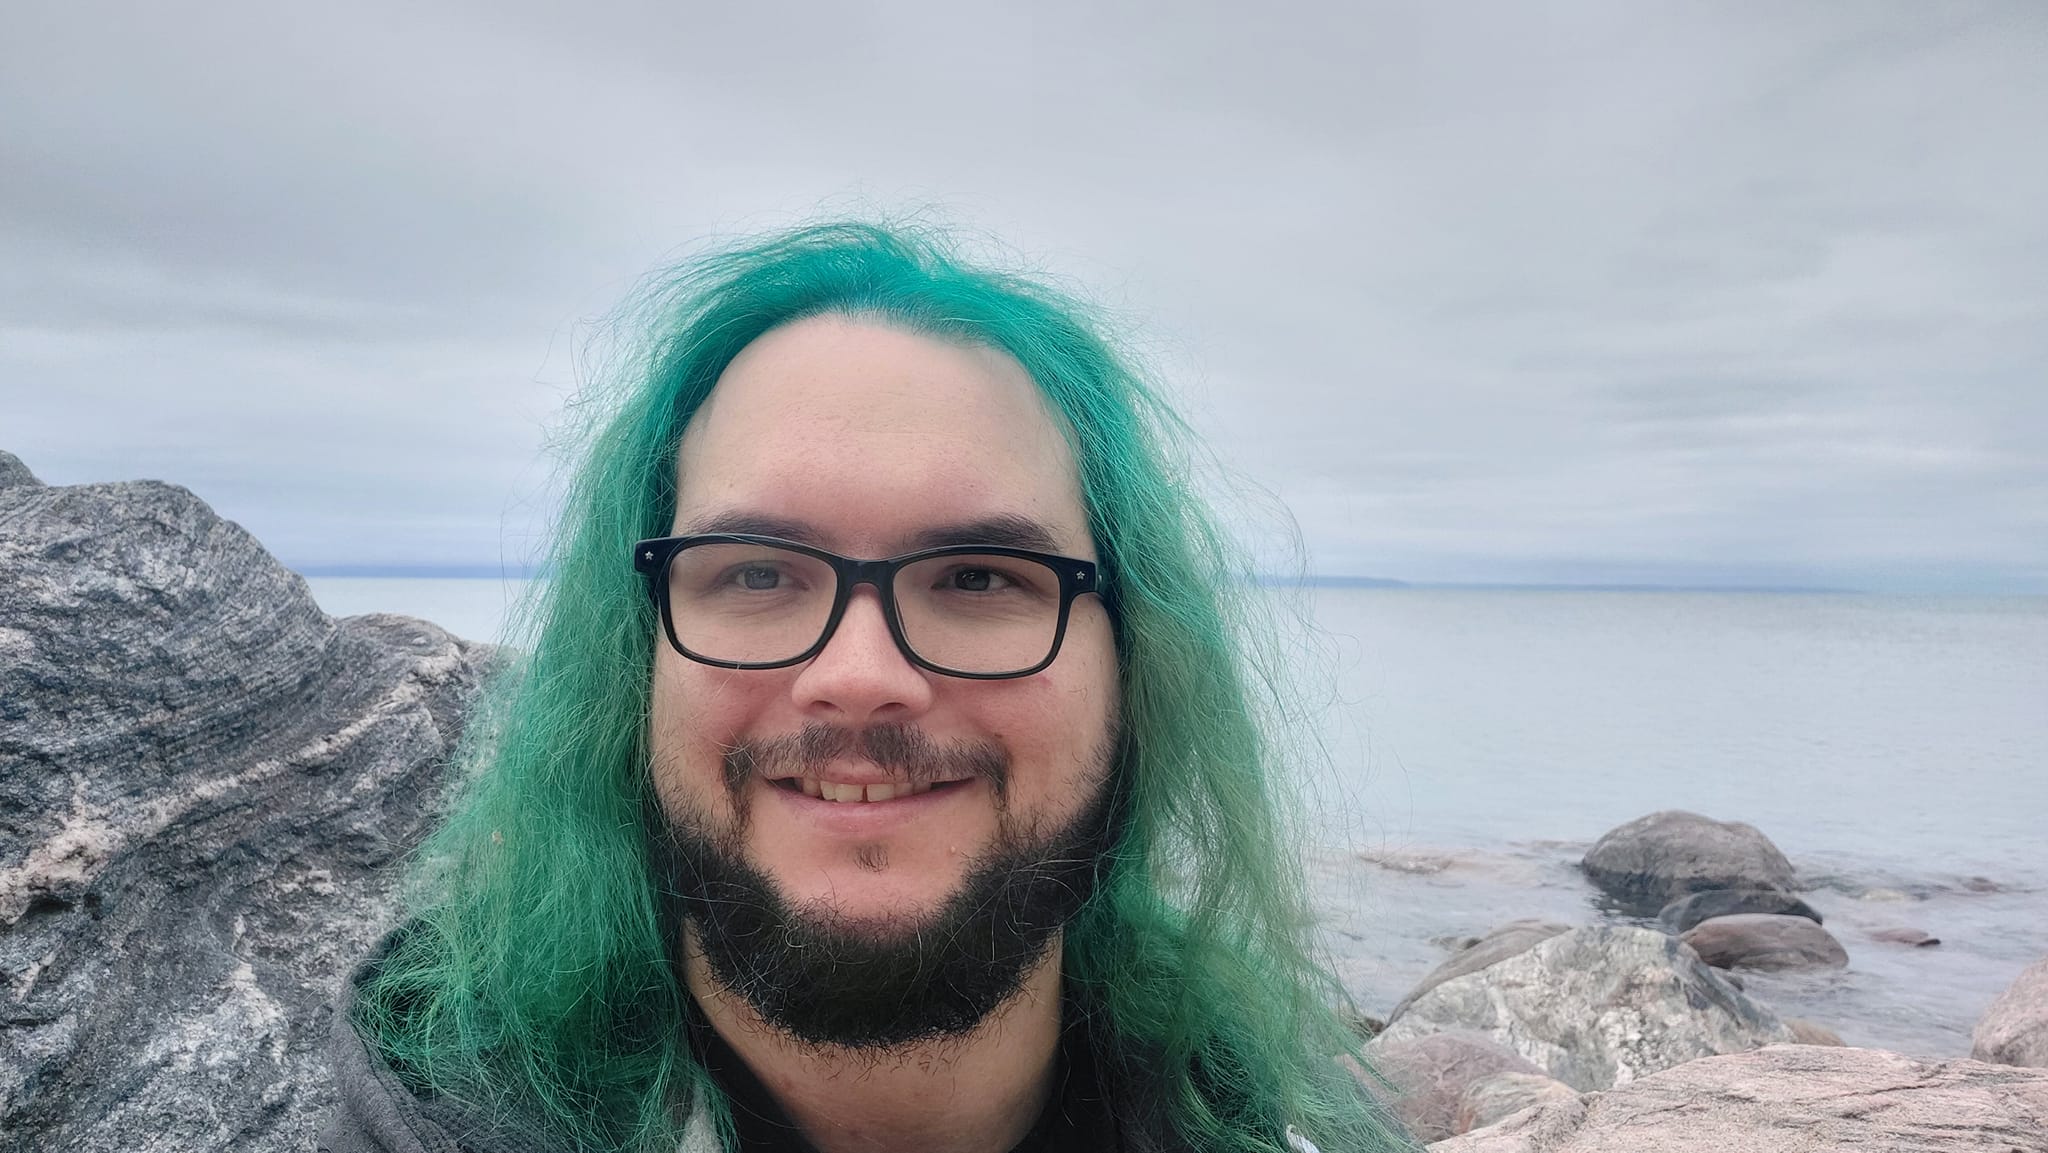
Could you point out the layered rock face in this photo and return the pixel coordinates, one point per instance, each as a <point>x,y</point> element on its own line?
<point>1790,1098</point>
<point>204,784</point>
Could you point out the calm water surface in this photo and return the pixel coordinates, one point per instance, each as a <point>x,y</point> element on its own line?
<point>1903,730</point>
<point>1477,741</point>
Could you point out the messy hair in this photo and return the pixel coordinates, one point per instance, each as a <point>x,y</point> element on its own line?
<point>536,977</point>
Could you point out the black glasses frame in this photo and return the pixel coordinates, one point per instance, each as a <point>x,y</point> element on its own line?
<point>651,559</point>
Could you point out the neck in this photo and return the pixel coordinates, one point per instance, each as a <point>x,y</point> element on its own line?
<point>979,1093</point>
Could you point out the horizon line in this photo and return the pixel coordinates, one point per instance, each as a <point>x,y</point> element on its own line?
<point>1264,580</point>
<point>1285,580</point>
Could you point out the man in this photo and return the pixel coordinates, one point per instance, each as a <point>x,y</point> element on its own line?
<point>885,773</point>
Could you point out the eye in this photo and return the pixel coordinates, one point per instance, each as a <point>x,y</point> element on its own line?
<point>976,580</point>
<point>759,576</point>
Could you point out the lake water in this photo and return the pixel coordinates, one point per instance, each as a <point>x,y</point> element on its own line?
<point>1478,741</point>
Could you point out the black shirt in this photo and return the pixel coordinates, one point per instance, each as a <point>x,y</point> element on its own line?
<point>1076,1118</point>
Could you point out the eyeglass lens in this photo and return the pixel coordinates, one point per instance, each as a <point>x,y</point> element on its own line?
<point>757,604</point>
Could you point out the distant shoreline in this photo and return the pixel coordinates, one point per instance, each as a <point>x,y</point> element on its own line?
<point>1263,580</point>
<point>421,572</point>
<point>1363,582</point>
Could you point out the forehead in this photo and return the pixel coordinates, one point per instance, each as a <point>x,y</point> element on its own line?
<point>867,439</point>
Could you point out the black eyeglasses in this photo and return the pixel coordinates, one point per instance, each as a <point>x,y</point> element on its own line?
<point>984,612</point>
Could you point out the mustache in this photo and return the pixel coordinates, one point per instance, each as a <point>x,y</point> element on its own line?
<point>906,752</point>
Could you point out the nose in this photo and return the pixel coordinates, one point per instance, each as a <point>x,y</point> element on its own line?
<point>861,677</point>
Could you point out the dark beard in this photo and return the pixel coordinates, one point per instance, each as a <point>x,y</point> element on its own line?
<point>830,981</point>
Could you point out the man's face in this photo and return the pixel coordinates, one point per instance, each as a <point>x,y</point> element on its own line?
<point>870,442</point>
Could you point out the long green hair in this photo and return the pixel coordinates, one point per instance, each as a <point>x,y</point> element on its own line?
<point>535,979</point>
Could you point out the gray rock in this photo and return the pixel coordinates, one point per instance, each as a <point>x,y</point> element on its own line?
<point>1806,1032</point>
<point>1597,1007</point>
<point>1765,941</point>
<point>1684,913</point>
<point>1495,947</point>
<point>14,473</point>
<point>1431,1074</point>
<point>1654,860</point>
<point>204,782</point>
<point>1918,938</point>
<point>1503,1095</point>
<point>2014,1030</point>
<point>1791,1099</point>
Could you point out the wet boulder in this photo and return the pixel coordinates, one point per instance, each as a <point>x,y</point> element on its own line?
<point>1684,913</point>
<point>1765,941</point>
<point>1654,860</point>
<point>1917,938</point>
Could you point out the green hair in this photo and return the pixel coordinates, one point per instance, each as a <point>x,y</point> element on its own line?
<point>536,980</point>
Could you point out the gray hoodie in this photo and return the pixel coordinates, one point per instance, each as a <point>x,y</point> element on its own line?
<point>379,1114</point>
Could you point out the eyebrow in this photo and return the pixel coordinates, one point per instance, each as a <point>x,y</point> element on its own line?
<point>1007,531</point>
<point>752,524</point>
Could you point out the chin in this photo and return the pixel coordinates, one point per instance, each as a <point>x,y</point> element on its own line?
<point>856,897</point>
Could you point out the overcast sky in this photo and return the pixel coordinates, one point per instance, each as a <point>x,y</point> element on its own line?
<point>1698,293</point>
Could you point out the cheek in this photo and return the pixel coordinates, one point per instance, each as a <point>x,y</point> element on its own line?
<point>1061,720</point>
<point>696,713</point>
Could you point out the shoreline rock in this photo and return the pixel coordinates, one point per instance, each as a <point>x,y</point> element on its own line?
<point>1503,942</point>
<point>1790,1097</point>
<point>1806,1032</point>
<point>1915,938</point>
<point>1503,1095</point>
<point>1765,941</point>
<point>1654,860</point>
<point>1686,912</point>
<point>1431,1076</point>
<point>2014,1029</point>
<point>205,784</point>
<point>1596,1007</point>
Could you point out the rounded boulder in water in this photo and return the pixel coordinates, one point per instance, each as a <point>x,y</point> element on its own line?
<point>1919,938</point>
<point>1682,914</point>
<point>1765,941</point>
<point>1654,860</point>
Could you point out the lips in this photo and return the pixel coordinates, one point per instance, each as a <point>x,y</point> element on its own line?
<point>875,765</point>
<point>849,793</point>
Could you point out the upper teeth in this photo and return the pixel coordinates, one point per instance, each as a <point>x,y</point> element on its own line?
<point>833,791</point>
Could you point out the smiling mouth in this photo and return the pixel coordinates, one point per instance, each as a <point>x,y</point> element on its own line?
<point>859,794</point>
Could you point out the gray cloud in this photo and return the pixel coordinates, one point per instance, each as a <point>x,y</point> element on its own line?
<point>1497,292</point>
